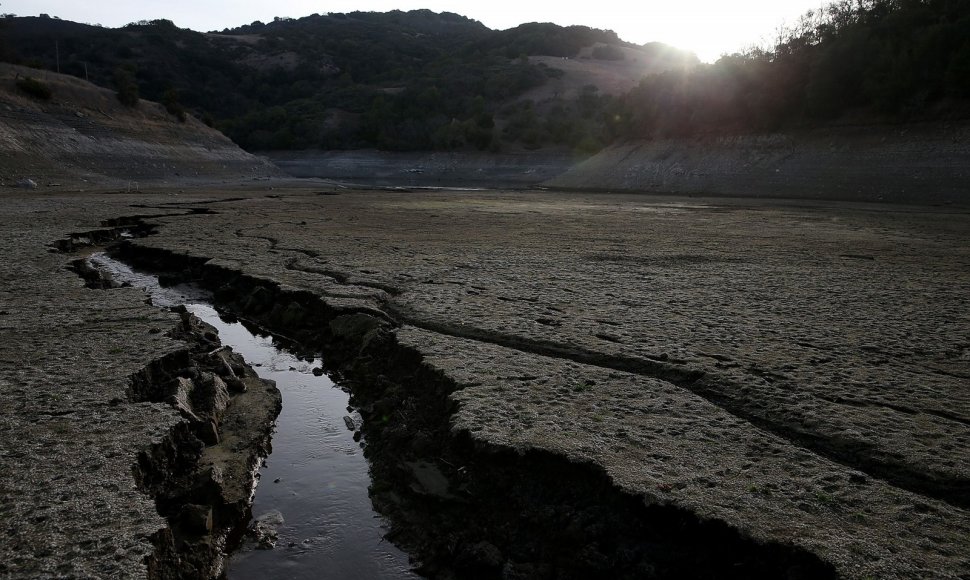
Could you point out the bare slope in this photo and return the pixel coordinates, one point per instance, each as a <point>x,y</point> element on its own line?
<point>610,77</point>
<point>924,163</point>
<point>84,133</point>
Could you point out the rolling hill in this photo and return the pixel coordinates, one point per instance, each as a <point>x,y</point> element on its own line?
<point>398,80</point>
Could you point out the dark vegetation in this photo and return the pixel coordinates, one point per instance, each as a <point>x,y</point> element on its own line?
<point>127,85</point>
<point>34,88</point>
<point>397,80</point>
<point>854,60</point>
<point>170,100</point>
<point>419,80</point>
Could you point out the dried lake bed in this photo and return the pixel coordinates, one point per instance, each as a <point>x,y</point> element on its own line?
<point>792,377</point>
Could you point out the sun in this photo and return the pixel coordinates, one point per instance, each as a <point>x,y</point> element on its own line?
<point>711,29</point>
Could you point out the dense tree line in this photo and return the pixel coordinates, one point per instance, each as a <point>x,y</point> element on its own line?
<point>866,60</point>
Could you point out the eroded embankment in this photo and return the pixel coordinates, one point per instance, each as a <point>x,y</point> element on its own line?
<point>917,163</point>
<point>468,509</point>
<point>202,472</point>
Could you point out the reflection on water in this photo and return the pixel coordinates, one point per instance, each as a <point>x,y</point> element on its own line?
<point>316,477</point>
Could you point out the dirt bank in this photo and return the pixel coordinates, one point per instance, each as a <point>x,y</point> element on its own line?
<point>128,444</point>
<point>83,135</point>
<point>926,163</point>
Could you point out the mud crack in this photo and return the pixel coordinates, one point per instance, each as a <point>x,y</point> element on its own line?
<point>855,455</point>
<point>494,512</point>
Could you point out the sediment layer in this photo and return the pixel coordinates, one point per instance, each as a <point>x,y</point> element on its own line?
<point>915,163</point>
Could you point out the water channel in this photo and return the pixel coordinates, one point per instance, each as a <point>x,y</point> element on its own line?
<point>316,478</point>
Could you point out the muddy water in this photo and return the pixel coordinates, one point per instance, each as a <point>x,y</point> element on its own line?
<point>316,477</point>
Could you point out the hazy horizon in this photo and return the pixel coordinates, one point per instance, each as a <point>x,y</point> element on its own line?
<point>709,29</point>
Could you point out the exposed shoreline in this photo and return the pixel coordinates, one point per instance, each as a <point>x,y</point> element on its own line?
<point>779,374</point>
<point>919,163</point>
<point>692,353</point>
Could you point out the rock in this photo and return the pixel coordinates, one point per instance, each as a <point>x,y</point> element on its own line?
<point>292,315</point>
<point>181,399</point>
<point>208,432</point>
<point>197,518</point>
<point>350,423</point>
<point>266,529</point>
<point>27,183</point>
<point>428,479</point>
<point>353,326</point>
<point>211,394</point>
<point>480,557</point>
<point>422,444</point>
<point>259,300</point>
<point>318,372</point>
<point>236,385</point>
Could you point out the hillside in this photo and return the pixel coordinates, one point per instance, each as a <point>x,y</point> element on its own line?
<point>922,163</point>
<point>82,133</point>
<point>424,81</point>
<point>398,80</point>
<point>612,70</point>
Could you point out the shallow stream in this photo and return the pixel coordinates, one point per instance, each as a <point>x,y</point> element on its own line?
<point>316,478</point>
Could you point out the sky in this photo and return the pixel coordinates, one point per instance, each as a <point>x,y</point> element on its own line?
<point>709,28</point>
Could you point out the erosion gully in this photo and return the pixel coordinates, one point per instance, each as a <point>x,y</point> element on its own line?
<point>311,510</point>
<point>459,507</point>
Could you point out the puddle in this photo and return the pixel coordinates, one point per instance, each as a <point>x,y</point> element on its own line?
<point>316,476</point>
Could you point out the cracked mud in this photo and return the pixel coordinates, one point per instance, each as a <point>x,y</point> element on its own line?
<point>786,380</point>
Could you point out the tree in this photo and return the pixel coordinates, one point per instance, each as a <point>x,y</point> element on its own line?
<point>608,52</point>
<point>5,54</point>
<point>35,88</point>
<point>126,85</point>
<point>171,102</point>
<point>958,72</point>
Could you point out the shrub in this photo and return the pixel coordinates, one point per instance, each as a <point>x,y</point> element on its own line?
<point>608,52</point>
<point>127,86</point>
<point>35,88</point>
<point>171,102</point>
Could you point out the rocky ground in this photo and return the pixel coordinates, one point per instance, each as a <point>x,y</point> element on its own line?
<point>795,372</point>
